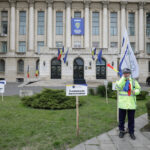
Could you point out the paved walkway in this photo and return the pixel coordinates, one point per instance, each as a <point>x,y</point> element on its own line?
<point>111,141</point>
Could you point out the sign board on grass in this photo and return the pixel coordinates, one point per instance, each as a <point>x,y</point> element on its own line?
<point>76,90</point>
<point>2,88</point>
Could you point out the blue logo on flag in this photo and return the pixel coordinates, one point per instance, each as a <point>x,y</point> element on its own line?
<point>77,26</point>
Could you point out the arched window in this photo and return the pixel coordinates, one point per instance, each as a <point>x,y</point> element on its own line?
<point>101,69</point>
<point>20,66</point>
<point>78,68</point>
<point>55,69</point>
<point>37,65</point>
<point>2,65</point>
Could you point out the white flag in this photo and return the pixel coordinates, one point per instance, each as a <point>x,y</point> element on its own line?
<point>128,59</point>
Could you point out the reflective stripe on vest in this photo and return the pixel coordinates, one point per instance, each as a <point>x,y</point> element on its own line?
<point>125,95</point>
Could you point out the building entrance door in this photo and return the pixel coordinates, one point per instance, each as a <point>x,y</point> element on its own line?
<point>78,69</point>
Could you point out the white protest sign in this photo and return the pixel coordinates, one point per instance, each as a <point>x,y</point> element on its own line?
<point>2,88</point>
<point>3,82</point>
<point>76,90</point>
<point>114,86</point>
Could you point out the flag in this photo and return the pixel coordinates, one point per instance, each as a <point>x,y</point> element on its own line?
<point>28,75</point>
<point>37,73</point>
<point>65,58</point>
<point>93,52</point>
<point>60,52</point>
<point>108,65</point>
<point>128,59</point>
<point>100,56</point>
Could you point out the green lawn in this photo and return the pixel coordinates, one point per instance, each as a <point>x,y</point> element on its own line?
<point>22,127</point>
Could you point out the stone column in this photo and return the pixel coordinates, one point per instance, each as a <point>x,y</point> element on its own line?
<point>12,25</point>
<point>141,27</point>
<point>123,17</point>
<point>86,24</point>
<point>31,24</point>
<point>105,27</point>
<point>49,25</point>
<point>68,23</point>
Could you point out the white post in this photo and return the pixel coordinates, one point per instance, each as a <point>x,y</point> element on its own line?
<point>141,27</point>
<point>86,33</point>
<point>49,26</point>
<point>106,95</point>
<point>123,18</point>
<point>12,27</point>
<point>68,23</point>
<point>31,26</point>
<point>2,97</point>
<point>77,115</point>
<point>117,106</point>
<point>105,22</point>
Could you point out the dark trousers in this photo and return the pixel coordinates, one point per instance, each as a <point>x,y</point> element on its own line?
<point>122,116</point>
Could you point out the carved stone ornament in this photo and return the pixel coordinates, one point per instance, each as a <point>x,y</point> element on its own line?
<point>31,1</point>
<point>12,1</point>
<point>141,5</point>
<point>49,1</point>
<point>68,1</point>
<point>105,2</point>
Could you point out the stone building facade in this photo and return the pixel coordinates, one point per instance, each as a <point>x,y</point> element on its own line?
<point>31,31</point>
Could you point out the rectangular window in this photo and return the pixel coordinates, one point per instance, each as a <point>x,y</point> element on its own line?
<point>113,44</point>
<point>133,46</point>
<point>4,47</point>
<point>95,44</point>
<point>77,14</point>
<point>39,45</point>
<point>22,47</point>
<point>95,23</point>
<point>4,22</point>
<point>113,24</point>
<point>77,44</point>
<point>22,23</point>
<point>59,44</point>
<point>59,23</point>
<point>148,24</point>
<point>131,24</point>
<point>148,48</point>
<point>40,23</point>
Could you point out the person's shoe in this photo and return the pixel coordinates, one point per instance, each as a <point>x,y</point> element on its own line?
<point>121,134</point>
<point>132,136</point>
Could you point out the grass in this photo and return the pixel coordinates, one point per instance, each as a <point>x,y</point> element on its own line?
<point>33,129</point>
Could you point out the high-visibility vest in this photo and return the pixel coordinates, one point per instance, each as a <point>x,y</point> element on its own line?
<point>125,101</point>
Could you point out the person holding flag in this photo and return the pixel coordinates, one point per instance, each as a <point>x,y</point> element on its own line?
<point>28,74</point>
<point>128,87</point>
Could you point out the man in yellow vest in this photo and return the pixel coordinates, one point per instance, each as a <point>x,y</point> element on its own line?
<point>128,89</point>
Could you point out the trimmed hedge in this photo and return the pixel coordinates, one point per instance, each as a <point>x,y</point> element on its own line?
<point>50,99</point>
<point>142,95</point>
<point>148,109</point>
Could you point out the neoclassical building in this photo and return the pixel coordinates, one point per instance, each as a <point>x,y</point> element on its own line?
<point>31,31</point>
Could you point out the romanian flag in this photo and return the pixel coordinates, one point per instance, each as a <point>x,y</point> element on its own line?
<point>37,73</point>
<point>60,52</point>
<point>28,75</point>
<point>93,53</point>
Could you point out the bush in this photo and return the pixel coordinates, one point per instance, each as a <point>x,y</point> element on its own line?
<point>50,99</point>
<point>148,110</point>
<point>91,91</point>
<point>101,91</point>
<point>142,95</point>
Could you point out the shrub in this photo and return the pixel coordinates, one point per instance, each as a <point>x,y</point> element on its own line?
<point>91,91</point>
<point>50,99</point>
<point>142,95</point>
<point>101,91</point>
<point>148,110</point>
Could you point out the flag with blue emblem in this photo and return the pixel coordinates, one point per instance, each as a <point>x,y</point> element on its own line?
<point>128,59</point>
<point>100,56</point>
<point>65,58</point>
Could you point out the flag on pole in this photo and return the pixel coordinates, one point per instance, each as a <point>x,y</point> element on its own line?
<point>28,75</point>
<point>93,52</point>
<point>37,72</point>
<point>60,52</point>
<point>128,59</point>
<point>100,56</point>
<point>65,57</point>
